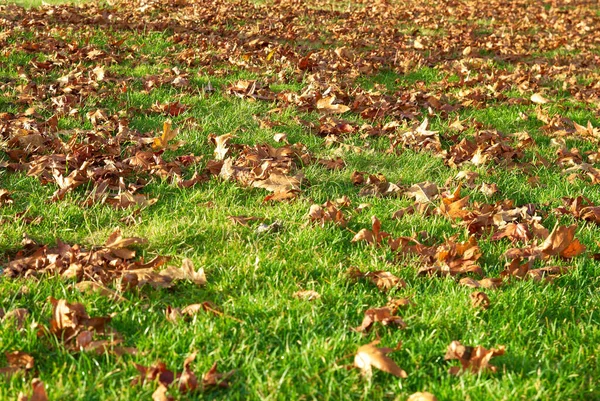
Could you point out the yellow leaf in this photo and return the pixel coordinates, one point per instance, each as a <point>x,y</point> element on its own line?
<point>167,134</point>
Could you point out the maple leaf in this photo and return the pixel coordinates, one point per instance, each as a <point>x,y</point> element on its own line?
<point>376,185</point>
<point>186,272</point>
<point>282,195</point>
<point>308,295</point>
<point>70,319</point>
<point>474,359</point>
<point>326,105</point>
<point>213,378</point>
<point>513,231</point>
<point>483,283</point>
<point>39,392</point>
<point>581,208</point>
<point>188,380</point>
<point>383,315</point>
<point>453,205</point>
<point>244,220</point>
<point>480,299</point>
<point>17,361</point>
<point>373,236</point>
<point>168,134</point>
<point>116,241</point>
<point>5,198</point>
<point>515,268</point>
<point>158,372</point>
<point>220,142</point>
<point>488,189</point>
<point>160,394</point>
<point>369,356</point>
<point>279,183</point>
<point>422,396</point>
<point>537,98</point>
<point>174,314</point>
<point>452,258</point>
<point>422,192</point>
<point>562,242</point>
<point>382,279</point>
<point>328,212</point>
<point>17,316</point>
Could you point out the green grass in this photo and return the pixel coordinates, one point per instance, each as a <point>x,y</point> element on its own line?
<point>282,347</point>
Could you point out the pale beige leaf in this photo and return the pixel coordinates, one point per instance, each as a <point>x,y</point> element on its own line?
<point>537,98</point>
<point>326,104</point>
<point>369,356</point>
<point>422,396</point>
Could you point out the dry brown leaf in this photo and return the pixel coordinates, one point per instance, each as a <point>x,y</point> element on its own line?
<point>17,361</point>
<point>69,319</point>
<point>488,189</point>
<point>382,279</point>
<point>537,98</point>
<point>244,220</point>
<point>480,299</point>
<point>39,392</point>
<point>490,283</point>
<point>281,137</point>
<point>188,380</point>
<point>5,198</point>
<point>221,148</point>
<point>369,356</point>
<point>383,315</point>
<point>116,240</point>
<point>17,315</point>
<point>307,295</point>
<point>473,359</point>
<point>423,192</point>
<point>160,394</point>
<point>374,236</point>
<point>422,396</point>
<point>213,378</point>
<point>328,212</point>
<point>186,272</point>
<point>326,105</point>
<point>562,242</point>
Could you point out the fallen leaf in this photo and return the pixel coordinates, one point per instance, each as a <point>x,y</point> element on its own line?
<point>221,148</point>
<point>280,138</point>
<point>422,396</point>
<point>167,135</point>
<point>483,283</point>
<point>537,98</point>
<point>473,359</point>
<point>326,104</point>
<point>382,279</point>
<point>374,236</point>
<point>116,240</point>
<point>244,220</point>
<point>160,394</point>
<point>307,295</point>
<point>562,242</point>
<point>369,356</point>
<point>213,378</point>
<point>383,315</point>
<point>423,192</point>
<point>186,272</point>
<point>39,392</point>
<point>5,198</point>
<point>18,316</point>
<point>480,299</point>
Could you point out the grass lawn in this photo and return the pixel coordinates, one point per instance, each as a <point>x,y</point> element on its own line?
<point>324,101</point>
